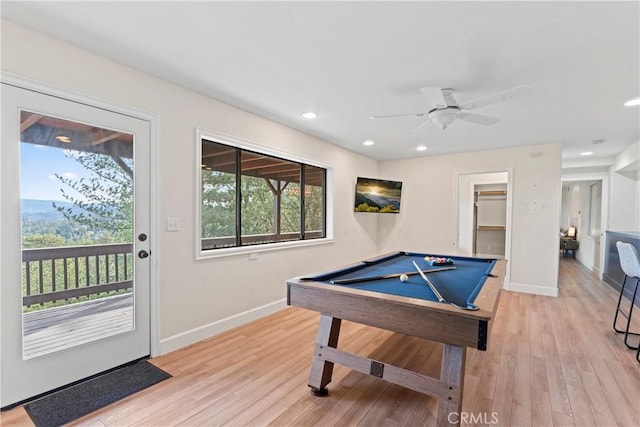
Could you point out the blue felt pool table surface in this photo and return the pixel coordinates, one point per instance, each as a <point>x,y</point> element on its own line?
<point>460,285</point>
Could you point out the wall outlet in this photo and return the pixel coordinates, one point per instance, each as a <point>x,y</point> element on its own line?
<point>253,256</point>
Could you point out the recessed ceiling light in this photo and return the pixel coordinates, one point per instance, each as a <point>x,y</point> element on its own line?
<point>368,143</point>
<point>586,153</point>
<point>309,115</point>
<point>63,138</point>
<point>421,148</point>
<point>632,102</point>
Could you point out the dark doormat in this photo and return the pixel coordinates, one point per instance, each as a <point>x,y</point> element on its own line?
<point>88,396</point>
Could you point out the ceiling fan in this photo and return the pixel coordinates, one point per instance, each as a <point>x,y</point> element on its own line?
<point>445,109</point>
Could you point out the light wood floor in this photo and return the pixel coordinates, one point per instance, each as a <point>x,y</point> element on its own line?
<point>551,361</point>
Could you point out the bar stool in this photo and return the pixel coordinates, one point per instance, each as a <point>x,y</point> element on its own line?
<point>630,263</point>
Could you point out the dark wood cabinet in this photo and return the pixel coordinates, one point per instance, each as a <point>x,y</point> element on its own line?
<point>613,273</point>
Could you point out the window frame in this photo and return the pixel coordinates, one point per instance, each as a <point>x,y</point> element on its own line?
<point>235,142</point>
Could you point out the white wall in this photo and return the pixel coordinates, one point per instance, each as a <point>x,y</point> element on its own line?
<point>624,214</point>
<point>565,208</point>
<point>200,298</point>
<point>625,196</point>
<point>428,221</point>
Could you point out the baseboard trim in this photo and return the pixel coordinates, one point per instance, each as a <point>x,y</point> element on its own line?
<point>533,289</point>
<point>586,263</point>
<point>192,336</point>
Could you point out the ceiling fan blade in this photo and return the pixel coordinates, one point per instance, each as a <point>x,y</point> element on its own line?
<point>496,97</point>
<point>398,115</point>
<point>447,94</point>
<point>477,118</point>
<point>425,123</point>
<point>434,96</point>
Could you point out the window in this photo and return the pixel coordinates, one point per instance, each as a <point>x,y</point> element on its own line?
<point>248,197</point>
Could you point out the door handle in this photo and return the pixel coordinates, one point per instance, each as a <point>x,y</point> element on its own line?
<point>143,254</point>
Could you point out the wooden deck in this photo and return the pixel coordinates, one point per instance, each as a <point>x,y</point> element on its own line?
<point>62,327</point>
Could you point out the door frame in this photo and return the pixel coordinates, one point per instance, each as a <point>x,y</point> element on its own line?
<point>478,177</point>
<point>154,288</point>
<point>604,208</point>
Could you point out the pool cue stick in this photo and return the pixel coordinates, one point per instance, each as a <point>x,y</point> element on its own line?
<point>426,279</point>
<point>385,276</point>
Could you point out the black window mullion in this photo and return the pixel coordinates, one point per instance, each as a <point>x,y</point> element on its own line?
<point>324,203</point>
<point>303,185</point>
<point>277,210</point>
<point>238,197</point>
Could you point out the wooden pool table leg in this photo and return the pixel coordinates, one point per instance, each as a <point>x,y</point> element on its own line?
<point>321,370</point>
<point>452,372</point>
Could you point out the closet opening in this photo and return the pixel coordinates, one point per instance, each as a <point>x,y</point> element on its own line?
<point>489,220</point>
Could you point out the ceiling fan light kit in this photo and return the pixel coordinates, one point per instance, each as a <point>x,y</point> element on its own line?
<point>445,109</point>
<point>444,117</point>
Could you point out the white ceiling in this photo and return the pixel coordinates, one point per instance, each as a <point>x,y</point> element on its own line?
<point>350,60</point>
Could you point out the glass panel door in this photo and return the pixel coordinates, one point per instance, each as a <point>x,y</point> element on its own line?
<point>74,282</point>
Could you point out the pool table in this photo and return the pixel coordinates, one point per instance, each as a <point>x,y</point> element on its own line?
<point>456,309</point>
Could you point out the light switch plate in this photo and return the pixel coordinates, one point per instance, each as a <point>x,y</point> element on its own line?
<point>173,223</point>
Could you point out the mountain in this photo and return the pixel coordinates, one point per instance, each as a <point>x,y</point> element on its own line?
<point>43,210</point>
<point>376,201</point>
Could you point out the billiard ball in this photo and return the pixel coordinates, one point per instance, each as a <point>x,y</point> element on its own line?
<point>404,278</point>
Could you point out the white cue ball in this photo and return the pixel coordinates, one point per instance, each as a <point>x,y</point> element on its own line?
<point>404,277</point>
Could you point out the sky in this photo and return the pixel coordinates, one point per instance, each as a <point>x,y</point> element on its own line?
<point>38,164</point>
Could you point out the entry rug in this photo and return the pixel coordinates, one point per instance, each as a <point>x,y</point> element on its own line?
<point>88,396</point>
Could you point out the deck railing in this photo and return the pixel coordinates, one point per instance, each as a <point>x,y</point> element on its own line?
<point>63,273</point>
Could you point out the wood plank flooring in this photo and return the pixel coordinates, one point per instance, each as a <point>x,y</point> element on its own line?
<point>551,361</point>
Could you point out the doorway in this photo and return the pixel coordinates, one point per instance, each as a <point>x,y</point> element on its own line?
<point>489,220</point>
<point>75,283</point>
<point>584,207</point>
<point>494,216</point>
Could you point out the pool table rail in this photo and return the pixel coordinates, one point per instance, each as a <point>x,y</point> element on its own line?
<point>430,320</point>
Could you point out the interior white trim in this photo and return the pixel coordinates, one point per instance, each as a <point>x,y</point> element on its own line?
<point>215,136</point>
<point>154,287</point>
<point>533,289</point>
<point>509,218</point>
<point>200,333</point>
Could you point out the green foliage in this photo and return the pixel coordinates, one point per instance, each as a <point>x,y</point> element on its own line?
<point>47,240</point>
<point>105,199</point>
<point>218,204</point>
<point>290,208</point>
<point>314,205</point>
<point>258,205</point>
<point>364,207</point>
<point>389,209</point>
